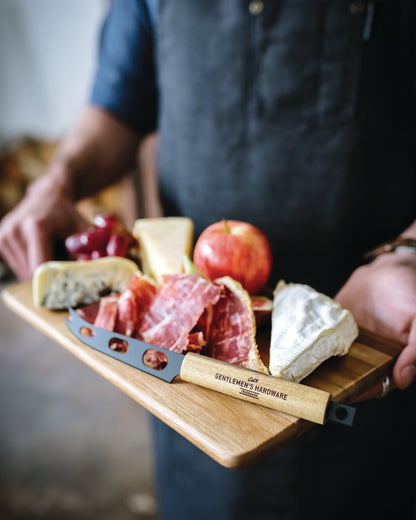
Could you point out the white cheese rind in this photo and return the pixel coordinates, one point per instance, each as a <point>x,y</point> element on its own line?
<point>307,328</point>
<point>63,284</point>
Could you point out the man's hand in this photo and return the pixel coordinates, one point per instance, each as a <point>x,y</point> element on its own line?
<point>382,298</point>
<point>27,233</point>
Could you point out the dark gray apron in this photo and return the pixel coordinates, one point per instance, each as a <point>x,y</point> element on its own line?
<point>296,116</point>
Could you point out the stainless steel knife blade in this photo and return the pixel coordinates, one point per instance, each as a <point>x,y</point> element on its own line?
<point>101,340</point>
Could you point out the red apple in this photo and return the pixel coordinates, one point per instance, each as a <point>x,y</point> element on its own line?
<point>236,249</point>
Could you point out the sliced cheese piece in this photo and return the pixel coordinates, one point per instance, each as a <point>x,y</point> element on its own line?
<point>307,328</point>
<point>63,284</point>
<point>163,243</point>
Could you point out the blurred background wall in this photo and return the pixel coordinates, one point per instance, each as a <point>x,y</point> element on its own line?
<point>71,444</point>
<point>47,51</point>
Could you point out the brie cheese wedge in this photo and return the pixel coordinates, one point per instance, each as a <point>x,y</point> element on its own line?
<point>307,328</point>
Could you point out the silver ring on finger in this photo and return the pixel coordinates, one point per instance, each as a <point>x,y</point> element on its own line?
<point>385,387</point>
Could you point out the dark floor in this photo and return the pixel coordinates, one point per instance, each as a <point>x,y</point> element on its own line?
<point>71,444</point>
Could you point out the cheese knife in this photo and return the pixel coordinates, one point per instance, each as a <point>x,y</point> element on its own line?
<point>295,399</point>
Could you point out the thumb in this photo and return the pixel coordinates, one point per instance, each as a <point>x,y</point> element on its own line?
<point>404,372</point>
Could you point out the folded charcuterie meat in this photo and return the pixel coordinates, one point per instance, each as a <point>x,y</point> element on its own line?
<point>232,335</point>
<point>176,309</point>
<point>184,313</point>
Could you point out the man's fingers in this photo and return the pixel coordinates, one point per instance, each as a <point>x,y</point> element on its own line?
<point>39,246</point>
<point>404,372</point>
<point>13,250</point>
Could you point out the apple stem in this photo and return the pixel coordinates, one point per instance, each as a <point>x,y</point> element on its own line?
<point>226,226</point>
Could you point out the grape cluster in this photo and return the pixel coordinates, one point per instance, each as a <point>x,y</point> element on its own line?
<point>107,237</point>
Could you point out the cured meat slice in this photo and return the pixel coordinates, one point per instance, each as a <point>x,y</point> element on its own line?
<point>232,336</point>
<point>89,312</point>
<point>155,359</point>
<point>186,313</point>
<point>205,321</point>
<point>134,302</point>
<point>196,342</point>
<point>107,312</point>
<point>176,309</point>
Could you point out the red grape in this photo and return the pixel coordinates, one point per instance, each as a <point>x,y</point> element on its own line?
<point>94,238</point>
<point>82,257</point>
<point>117,245</point>
<point>104,220</point>
<point>73,245</point>
<point>97,254</point>
<point>107,237</point>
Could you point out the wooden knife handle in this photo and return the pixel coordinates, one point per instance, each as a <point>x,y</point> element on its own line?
<point>292,398</point>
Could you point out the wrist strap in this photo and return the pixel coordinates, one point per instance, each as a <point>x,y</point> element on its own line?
<point>398,244</point>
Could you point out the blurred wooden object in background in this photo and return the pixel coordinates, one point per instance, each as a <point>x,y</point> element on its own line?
<point>21,162</point>
<point>134,196</point>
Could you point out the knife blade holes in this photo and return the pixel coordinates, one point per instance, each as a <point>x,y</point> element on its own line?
<point>155,359</point>
<point>86,332</point>
<point>118,345</point>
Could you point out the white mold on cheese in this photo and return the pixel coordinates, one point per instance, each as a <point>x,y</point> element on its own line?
<point>307,328</point>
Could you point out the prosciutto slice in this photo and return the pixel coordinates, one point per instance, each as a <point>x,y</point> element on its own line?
<point>89,312</point>
<point>185,313</point>
<point>133,304</point>
<point>107,312</point>
<point>176,309</point>
<point>232,335</point>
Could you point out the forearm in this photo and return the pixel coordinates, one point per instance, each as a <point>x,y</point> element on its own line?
<point>96,153</point>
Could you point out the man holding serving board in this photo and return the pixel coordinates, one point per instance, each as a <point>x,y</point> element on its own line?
<point>297,117</point>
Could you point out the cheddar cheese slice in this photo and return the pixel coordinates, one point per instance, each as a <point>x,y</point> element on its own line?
<point>163,243</point>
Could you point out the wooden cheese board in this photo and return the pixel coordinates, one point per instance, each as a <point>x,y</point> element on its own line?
<point>235,433</point>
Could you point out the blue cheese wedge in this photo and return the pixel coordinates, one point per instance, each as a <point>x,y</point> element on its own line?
<point>307,329</point>
<point>63,284</point>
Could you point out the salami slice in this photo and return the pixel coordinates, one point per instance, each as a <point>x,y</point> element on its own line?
<point>176,309</point>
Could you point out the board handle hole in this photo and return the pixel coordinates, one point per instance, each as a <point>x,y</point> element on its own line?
<point>155,359</point>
